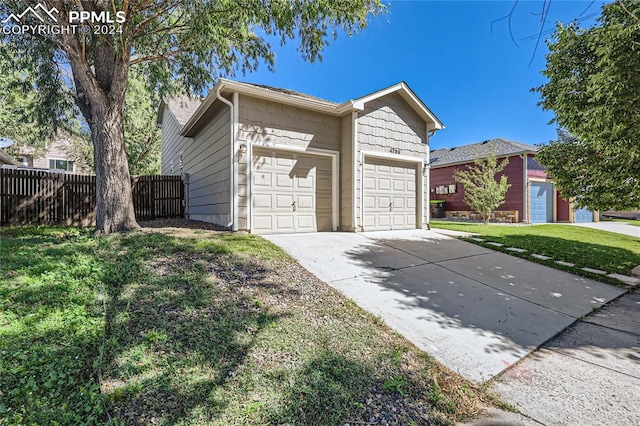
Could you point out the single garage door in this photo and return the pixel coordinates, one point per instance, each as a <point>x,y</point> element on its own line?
<point>584,215</point>
<point>540,202</point>
<point>389,195</point>
<point>291,192</point>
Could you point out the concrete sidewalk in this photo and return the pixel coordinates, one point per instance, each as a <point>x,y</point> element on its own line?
<point>475,310</point>
<point>617,227</point>
<point>589,375</point>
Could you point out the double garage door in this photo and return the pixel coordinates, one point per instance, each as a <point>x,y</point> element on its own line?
<point>292,192</point>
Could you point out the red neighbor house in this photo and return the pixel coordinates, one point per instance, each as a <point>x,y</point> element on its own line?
<point>532,197</point>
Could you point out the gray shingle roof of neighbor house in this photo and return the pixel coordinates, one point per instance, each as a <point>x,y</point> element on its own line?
<point>183,107</point>
<point>468,153</point>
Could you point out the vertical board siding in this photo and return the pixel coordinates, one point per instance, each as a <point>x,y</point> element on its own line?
<point>30,197</point>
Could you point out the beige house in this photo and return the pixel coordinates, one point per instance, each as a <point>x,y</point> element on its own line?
<point>270,160</point>
<point>58,155</point>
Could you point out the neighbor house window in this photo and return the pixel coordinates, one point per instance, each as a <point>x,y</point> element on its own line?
<point>23,160</point>
<point>61,164</point>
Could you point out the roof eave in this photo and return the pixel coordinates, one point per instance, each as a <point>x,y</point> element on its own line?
<point>458,163</point>
<point>228,86</point>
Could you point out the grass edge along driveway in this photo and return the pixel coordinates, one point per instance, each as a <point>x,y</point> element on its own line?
<point>584,247</point>
<point>204,328</point>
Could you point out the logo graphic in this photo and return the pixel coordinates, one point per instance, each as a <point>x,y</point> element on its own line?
<point>38,11</point>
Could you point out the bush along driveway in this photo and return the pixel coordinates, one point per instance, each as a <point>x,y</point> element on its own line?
<point>592,253</point>
<point>175,326</point>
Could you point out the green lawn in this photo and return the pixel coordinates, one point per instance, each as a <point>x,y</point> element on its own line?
<point>208,328</point>
<point>585,247</point>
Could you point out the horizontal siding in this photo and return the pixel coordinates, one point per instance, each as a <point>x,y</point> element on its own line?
<point>445,176</point>
<point>205,157</point>
<point>263,121</point>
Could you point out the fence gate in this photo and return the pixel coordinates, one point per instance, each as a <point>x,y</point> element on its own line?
<point>34,197</point>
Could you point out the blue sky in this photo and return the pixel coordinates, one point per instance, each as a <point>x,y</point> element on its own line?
<point>475,79</point>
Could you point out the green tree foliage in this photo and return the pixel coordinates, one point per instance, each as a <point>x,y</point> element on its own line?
<point>482,192</point>
<point>29,114</point>
<point>594,91</point>
<point>141,136</point>
<point>176,46</point>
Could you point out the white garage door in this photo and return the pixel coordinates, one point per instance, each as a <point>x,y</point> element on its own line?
<point>389,195</point>
<point>291,192</point>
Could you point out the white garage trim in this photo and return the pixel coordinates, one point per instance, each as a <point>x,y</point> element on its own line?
<point>400,158</point>
<point>335,182</point>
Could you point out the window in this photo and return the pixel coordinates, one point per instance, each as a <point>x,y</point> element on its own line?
<point>23,160</point>
<point>65,165</point>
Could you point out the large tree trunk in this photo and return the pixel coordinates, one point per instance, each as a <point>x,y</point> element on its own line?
<point>100,95</point>
<point>113,183</point>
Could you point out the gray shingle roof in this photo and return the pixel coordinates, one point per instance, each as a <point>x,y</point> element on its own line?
<point>183,107</point>
<point>468,153</point>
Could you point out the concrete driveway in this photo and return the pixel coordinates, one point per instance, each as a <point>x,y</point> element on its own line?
<point>617,227</point>
<point>475,310</point>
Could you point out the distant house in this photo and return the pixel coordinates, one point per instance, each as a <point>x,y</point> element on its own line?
<point>272,160</point>
<point>532,197</point>
<point>58,155</point>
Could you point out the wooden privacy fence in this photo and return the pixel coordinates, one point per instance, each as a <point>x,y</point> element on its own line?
<point>33,197</point>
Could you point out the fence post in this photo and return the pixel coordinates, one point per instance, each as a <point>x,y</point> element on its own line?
<point>185,195</point>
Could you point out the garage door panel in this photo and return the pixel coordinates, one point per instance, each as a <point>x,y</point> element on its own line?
<point>282,180</point>
<point>383,220</point>
<point>369,183</point>
<point>284,201</point>
<point>383,203</point>
<point>306,222</point>
<point>389,199</point>
<point>262,179</point>
<point>285,222</point>
<point>263,201</point>
<point>399,203</point>
<point>305,202</point>
<point>304,183</point>
<point>369,203</point>
<point>262,223</point>
<point>399,185</point>
<point>383,184</point>
<point>398,220</point>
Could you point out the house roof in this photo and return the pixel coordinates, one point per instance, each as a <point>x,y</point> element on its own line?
<point>468,153</point>
<point>189,111</point>
<point>182,108</point>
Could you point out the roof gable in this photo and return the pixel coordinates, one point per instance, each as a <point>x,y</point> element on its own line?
<point>469,153</point>
<point>403,89</point>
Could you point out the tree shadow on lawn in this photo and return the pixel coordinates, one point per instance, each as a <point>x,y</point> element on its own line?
<point>176,329</point>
